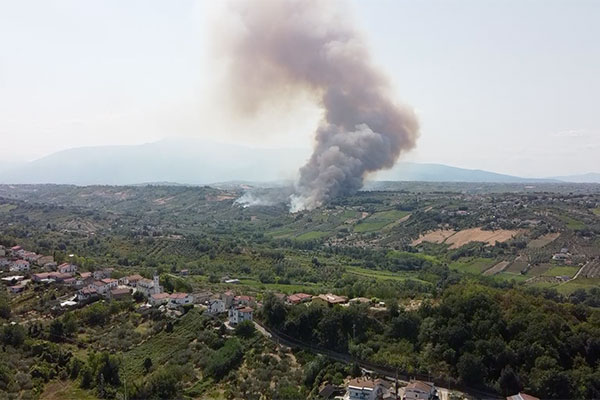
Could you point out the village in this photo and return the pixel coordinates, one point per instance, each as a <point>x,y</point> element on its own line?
<point>25,268</point>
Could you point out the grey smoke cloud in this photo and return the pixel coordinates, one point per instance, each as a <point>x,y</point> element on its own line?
<point>279,49</point>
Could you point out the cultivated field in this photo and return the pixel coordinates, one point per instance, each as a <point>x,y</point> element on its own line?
<point>501,266</point>
<point>460,238</point>
<point>543,240</point>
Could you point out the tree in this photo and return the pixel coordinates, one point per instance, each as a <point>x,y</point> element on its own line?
<point>470,369</point>
<point>56,331</point>
<point>245,329</point>
<point>509,381</point>
<point>273,310</point>
<point>4,307</point>
<point>147,364</point>
<point>13,335</point>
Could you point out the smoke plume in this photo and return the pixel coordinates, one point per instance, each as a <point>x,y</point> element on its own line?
<point>279,49</point>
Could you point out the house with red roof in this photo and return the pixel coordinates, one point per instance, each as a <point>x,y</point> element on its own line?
<point>298,298</point>
<point>19,266</point>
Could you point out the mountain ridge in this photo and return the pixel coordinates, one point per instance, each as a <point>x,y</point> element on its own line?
<point>196,162</point>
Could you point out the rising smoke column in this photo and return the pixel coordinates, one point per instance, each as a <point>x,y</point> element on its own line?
<point>279,48</point>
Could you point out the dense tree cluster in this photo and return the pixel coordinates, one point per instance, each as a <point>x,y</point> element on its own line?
<point>501,340</point>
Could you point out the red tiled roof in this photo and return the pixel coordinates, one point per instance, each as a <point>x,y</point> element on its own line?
<point>362,384</point>
<point>420,385</point>
<point>160,296</point>
<point>179,295</point>
<point>119,291</point>
<point>245,309</point>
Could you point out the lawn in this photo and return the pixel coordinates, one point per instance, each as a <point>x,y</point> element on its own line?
<point>472,266</point>
<point>561,271</point>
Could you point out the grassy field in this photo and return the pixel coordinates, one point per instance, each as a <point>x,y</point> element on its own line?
<point>509,276</point>
<point>596,211</point>
<point>311,235</point>
<point>379,220</point>
<point>472,266</point>
<point>384,275</point>
<point>279,287</point>
<point>561,271</point>
<point>572,223</point>
<point>58,390</point>
<point>4,208</point>
<point>579,283</point>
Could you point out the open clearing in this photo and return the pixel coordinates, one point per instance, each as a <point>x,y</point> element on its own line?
<point>434,237</point>
<point>474,265</point>
<point>543,240</point>
<point>596,211</point>
<point>57,390</point>
<point>384,275</point>
<point>460,238</point>
<point>501,266</point>
<point>378,220</point>
<point>562,271</point>
<point>572,223</point>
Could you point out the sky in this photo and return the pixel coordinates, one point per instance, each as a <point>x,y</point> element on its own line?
<point>509,86</point>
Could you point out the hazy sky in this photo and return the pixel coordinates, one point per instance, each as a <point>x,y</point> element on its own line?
<point>508,86</point>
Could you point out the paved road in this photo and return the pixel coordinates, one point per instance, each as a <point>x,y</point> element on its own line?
<point>283,339</point>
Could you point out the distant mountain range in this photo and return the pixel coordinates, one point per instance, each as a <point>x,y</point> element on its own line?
<point>187,161</point>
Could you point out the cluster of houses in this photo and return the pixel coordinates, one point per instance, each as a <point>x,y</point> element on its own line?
<point>90,286</point>
<point>123,287</point>
<point>238,308</point>
<point>364,388</point>
<point>19,261</point>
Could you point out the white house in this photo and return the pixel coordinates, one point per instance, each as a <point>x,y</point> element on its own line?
<point>66,268</point>
<point>180,299</point>
<point>240,314</point>
<point>100,287</point>
<point>216,306</point>
<point>110,283</point>
<point>419,390</point>
<point>368,389</point>
<point>86,294</point>
<point>19,266</point>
